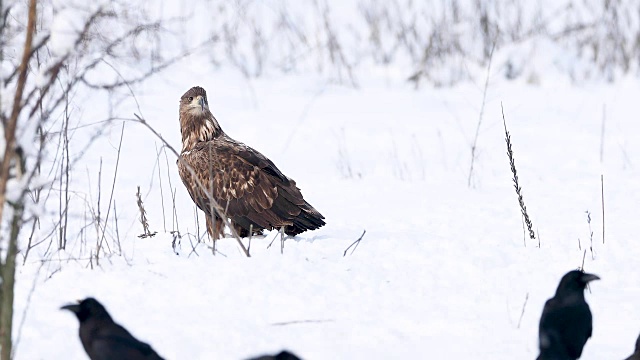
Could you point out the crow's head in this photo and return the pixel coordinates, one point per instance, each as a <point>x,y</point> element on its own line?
<point>575,281</point>
<point>86,309</point>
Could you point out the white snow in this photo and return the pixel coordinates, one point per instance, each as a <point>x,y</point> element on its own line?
<point>444,270</point>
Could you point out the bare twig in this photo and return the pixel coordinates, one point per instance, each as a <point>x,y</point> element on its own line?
<point>602,197</point>
<point>524,306</point>
<point>484,97</point>
<point>274,239</point>
<point>164,220</point>
<point>282,240</point>
<point>11,125</point>
<point>97,216</point>
<point>143,218</point>
<point>8,266</point>
<point>113,184</point>
<point>115,219</point>
<point>590,234</point>
<point>174,219</point>
<point>604,119</point>
<point>296,322</point>
<point>356,243</point>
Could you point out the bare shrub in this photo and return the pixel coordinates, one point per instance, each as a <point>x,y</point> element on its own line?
<point>65,52</point>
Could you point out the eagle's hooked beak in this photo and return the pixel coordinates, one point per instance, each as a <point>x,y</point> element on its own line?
<point>202,102</point>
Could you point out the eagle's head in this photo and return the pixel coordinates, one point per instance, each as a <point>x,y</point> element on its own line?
<point>194,101</point>
<point>197,124</point>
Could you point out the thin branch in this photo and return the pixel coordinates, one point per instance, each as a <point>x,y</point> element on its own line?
<point>524,306</point>
<point>10,127</point>
<point>602,197</point>
<point>356,243</point>
<point>484,97</point>
<point>113,185</point>
<point>296,322</point>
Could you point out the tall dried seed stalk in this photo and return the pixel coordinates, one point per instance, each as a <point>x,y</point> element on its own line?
<point>516,185</point>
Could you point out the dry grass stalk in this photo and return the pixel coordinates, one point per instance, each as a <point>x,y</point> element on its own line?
<point>354,244</point>
<point>143,218</point>
<point>602,197</point>
<point>516,185</point>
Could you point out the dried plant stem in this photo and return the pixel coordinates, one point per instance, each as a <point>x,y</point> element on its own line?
<point>602,197</point>
<point>524,306</point>
<point>604,119</point>
<point>143,217</point>
<point>590,234</point>
<point>282,240</point>
<point>164,221</point>
<point>113,187</point>
<point>523,208</point>
<point>484,98</point>
<point>354,244</point>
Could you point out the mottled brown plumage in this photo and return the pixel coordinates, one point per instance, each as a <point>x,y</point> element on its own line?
<point>246,186</point>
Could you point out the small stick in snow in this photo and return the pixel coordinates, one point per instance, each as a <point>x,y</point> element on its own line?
<point>274,239</point>
<point>282,240</point>
<point>356,243</point>
<point>524,306</point>
<point>604,119</point>
<point>474,146</point>
<point>284,323</point>
<point>250,236</point>
<point>193,248</point>
<point>281,233</point>
<point>538,232</point>
<point>602,197</point>
<point>590,234</point>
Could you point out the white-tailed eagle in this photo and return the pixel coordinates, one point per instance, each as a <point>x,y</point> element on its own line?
<point>247,187</point>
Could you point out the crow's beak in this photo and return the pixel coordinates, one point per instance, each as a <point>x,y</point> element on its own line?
<point>589,277</point>
<point>74,308</point>
<point>202,103</point>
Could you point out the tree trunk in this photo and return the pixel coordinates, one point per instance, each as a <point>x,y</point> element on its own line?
<point>8,283</point>
<point>8,267</point>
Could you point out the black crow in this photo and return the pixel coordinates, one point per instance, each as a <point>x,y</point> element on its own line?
<point>103,339</point>
<point>566,323</point>
<point>283,355</point>
<point>636,354</point>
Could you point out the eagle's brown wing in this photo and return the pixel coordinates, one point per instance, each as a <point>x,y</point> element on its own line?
<point>247,186</point>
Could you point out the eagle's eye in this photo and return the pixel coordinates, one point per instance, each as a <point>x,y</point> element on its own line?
<point>190,98</point>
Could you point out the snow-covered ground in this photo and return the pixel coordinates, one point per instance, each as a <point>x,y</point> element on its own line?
<point>444,270</point>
